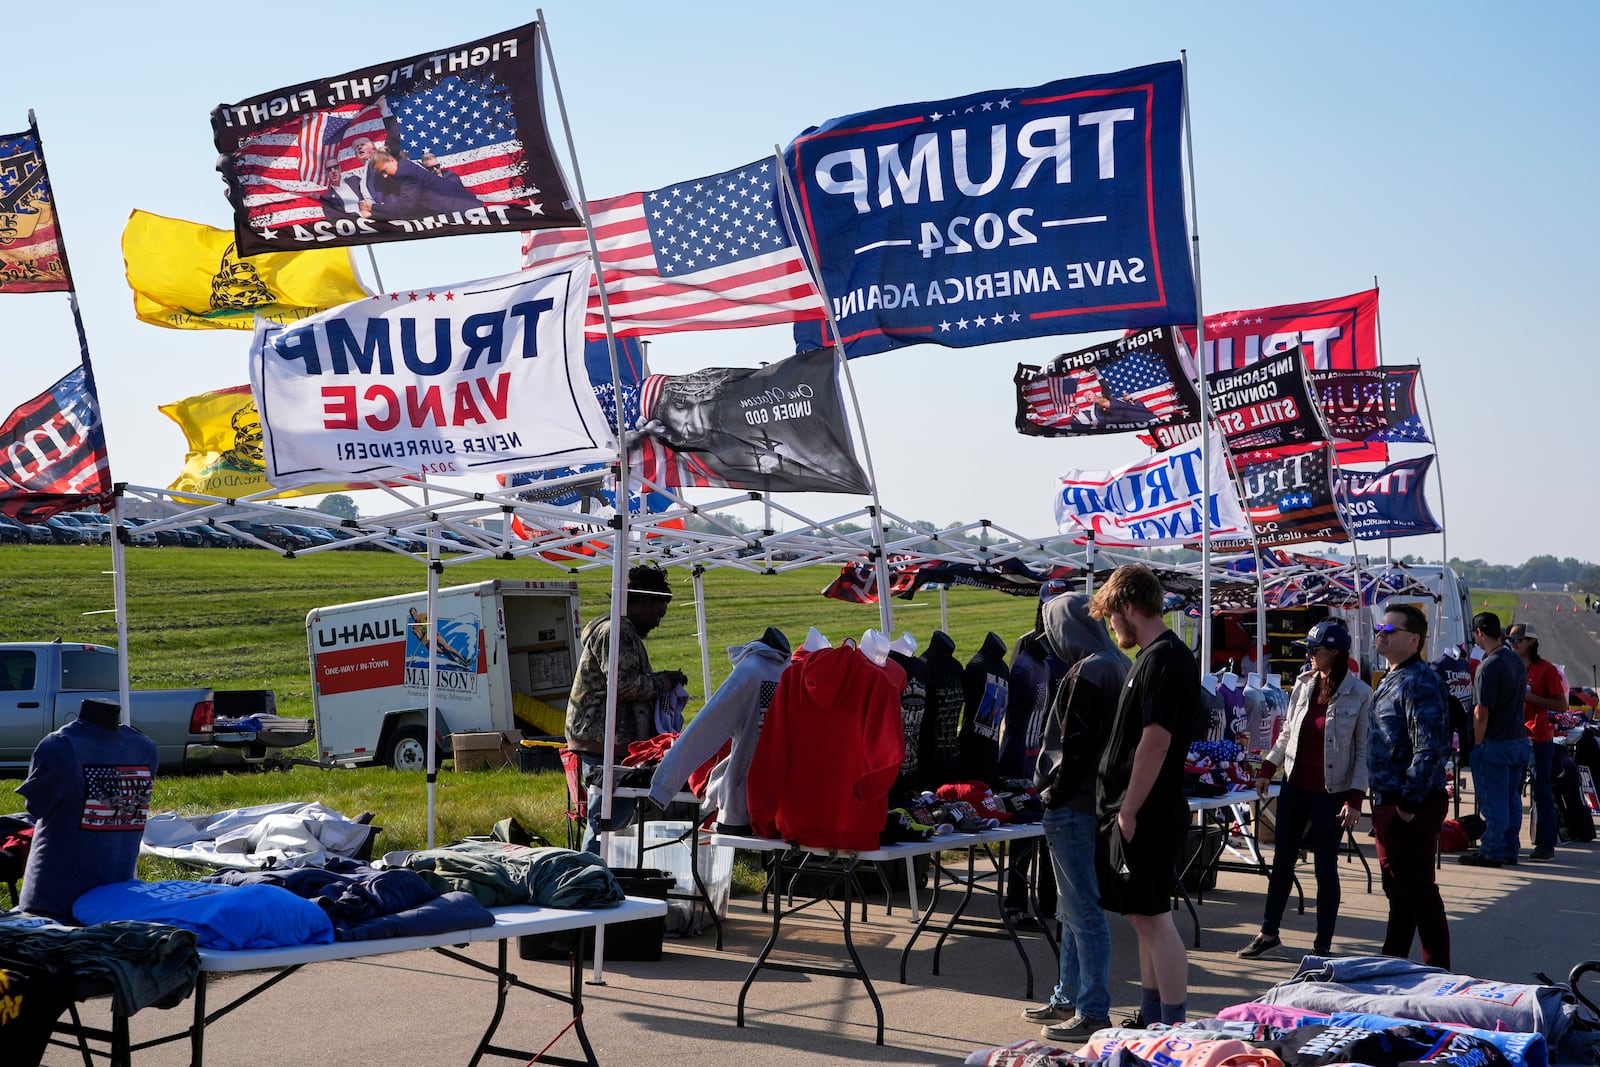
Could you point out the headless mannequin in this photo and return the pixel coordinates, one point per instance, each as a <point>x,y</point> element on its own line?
<point>815,641</point>
<point>101,713</point>
<point>875,646</point>
<point>1209,683</point>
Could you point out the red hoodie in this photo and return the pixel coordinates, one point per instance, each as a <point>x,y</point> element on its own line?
<point>830,748</point>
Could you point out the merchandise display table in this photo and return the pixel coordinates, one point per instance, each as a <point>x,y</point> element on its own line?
<point>509,922</point>
<point>782,858</point>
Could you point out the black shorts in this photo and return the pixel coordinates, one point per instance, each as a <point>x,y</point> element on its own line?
<point>1136,877</point>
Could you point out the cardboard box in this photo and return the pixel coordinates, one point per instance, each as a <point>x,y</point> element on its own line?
<point>486,749</point>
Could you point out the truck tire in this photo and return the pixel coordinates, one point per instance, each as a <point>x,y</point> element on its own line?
<point>407,750</point>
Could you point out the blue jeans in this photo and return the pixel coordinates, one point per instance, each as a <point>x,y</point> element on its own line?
<point>1297,807</point>
<point>1544,796</point>
<point>622,808</point>
<point>1086,935</point>
<point>1497,768</point>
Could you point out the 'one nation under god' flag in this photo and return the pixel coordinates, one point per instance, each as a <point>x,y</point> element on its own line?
<point>443,143</point>
<point>481,377</point>
<point>1156,501</point>
<point>30,248</point>
<point>1135,382</point>
<point>1001,215</point>
<point>53,452</point>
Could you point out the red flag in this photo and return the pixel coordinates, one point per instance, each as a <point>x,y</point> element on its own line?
<point>53,453</point>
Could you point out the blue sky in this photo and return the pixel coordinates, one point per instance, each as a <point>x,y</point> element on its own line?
<point>1448,150</point>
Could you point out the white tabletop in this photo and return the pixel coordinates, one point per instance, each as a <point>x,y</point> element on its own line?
<point>941,843</point>
<point>1228,800</point>
<point>510,921</point>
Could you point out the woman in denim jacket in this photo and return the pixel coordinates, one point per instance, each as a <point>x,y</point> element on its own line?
<point>1323,751</point>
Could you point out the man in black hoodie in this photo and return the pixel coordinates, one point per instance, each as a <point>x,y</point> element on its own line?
<point>986,690</point>
<point>1075,734</point>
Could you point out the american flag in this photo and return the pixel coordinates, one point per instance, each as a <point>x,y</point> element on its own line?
<point>1053,399</point>
<point>283,171</point>
<point>470,127</point>
<point>116,796</point>
<point>704,254</point>
<point>1143,378</point>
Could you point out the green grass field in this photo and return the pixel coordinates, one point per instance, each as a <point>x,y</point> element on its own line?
<point>235,619</point>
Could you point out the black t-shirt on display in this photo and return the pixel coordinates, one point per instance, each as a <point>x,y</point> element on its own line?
<point>1163,689</point>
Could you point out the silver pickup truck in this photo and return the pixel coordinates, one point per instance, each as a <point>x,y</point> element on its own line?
<point>42,686</point>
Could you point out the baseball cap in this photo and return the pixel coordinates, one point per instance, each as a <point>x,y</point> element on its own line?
<point>1521,629</point>
<point>1329,633</point>
<point>1053,588</point>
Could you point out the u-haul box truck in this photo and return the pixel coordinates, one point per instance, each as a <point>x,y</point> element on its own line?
<point>506,652</point>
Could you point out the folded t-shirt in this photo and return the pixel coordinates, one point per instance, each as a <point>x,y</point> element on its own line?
<point>221,916</point>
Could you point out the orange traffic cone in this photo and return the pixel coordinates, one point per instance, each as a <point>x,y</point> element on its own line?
<point>1524,607</point>
<point>1558,607</point>
<point>1485,603</point>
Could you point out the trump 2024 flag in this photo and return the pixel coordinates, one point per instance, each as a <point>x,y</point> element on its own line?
<point>481,377</point>
<point>1156,501</point>
<point>448,142</point>
<point>1000,215</point>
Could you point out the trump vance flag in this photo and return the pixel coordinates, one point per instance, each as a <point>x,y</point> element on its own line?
<point>482,377</point>
<point>704,254</point>
<point>1000,215</point>
<point>1133,383</point>
<point>53,452</point>
<point>186,276</point>
<point>1156,501</point>
<point>444,143</point>
<point>30,245</point>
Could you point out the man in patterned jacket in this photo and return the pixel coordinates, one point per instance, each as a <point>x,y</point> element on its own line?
<point>638,688</point>
<point>1410,740</point>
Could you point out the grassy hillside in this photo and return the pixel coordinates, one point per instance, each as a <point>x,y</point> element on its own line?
<point>235,619</point>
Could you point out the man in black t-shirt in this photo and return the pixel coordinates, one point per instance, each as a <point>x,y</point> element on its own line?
<point>1139,789</point>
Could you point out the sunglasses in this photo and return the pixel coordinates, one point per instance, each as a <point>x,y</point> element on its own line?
<point>1390,628</point>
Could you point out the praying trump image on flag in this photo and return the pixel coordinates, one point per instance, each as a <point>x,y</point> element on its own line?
<point>444,143</point>
<point>186,276</point>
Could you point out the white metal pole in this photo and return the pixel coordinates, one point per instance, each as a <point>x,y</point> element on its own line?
<point>119,595</point>
<point>881,564</point>
<point>944,609</point>
<point>1205,398</point>
<point>433,687</point>
<point>700,630</point>
<point>619,559</point>
<point>1438,474</point>
<point>1088,560</point>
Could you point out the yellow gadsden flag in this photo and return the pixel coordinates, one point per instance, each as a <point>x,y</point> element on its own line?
<point>186,276</point>
<point>225,457</point>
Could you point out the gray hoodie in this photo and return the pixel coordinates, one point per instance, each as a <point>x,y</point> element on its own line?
<point>1080,717</point>
<point>735,711</point>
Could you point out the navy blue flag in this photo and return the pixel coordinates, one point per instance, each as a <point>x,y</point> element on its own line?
<point>1377,404</point>
<point>53,452</point>
<point>1387,503</point>
<point>1000,215</point>
<point>1290,499</point>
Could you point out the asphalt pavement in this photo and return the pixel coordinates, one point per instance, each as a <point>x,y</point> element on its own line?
<point>1568,634</point>
<point>420,1010</point>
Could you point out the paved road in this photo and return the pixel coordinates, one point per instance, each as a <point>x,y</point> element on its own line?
<point>1570,636</point>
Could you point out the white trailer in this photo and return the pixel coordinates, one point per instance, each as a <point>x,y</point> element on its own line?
<point>501,646</point>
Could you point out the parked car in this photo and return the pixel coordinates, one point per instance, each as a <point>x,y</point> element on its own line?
<point>64,531</point>
<point>208,536</point>
<point>32,533</point>
<point>273,535</point>
<point>137,536</point>
<point>11,532</point>
<point>97,525</point>
<point>319,535</point>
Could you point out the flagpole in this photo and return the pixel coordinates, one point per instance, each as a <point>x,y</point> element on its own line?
<point>875,512</point>
<point>372,257</point>
<point>619,559</point>
<point>1433,431</point>
<point>1377,315</point>
<point>1205,397</point>
<point>119,578</point>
